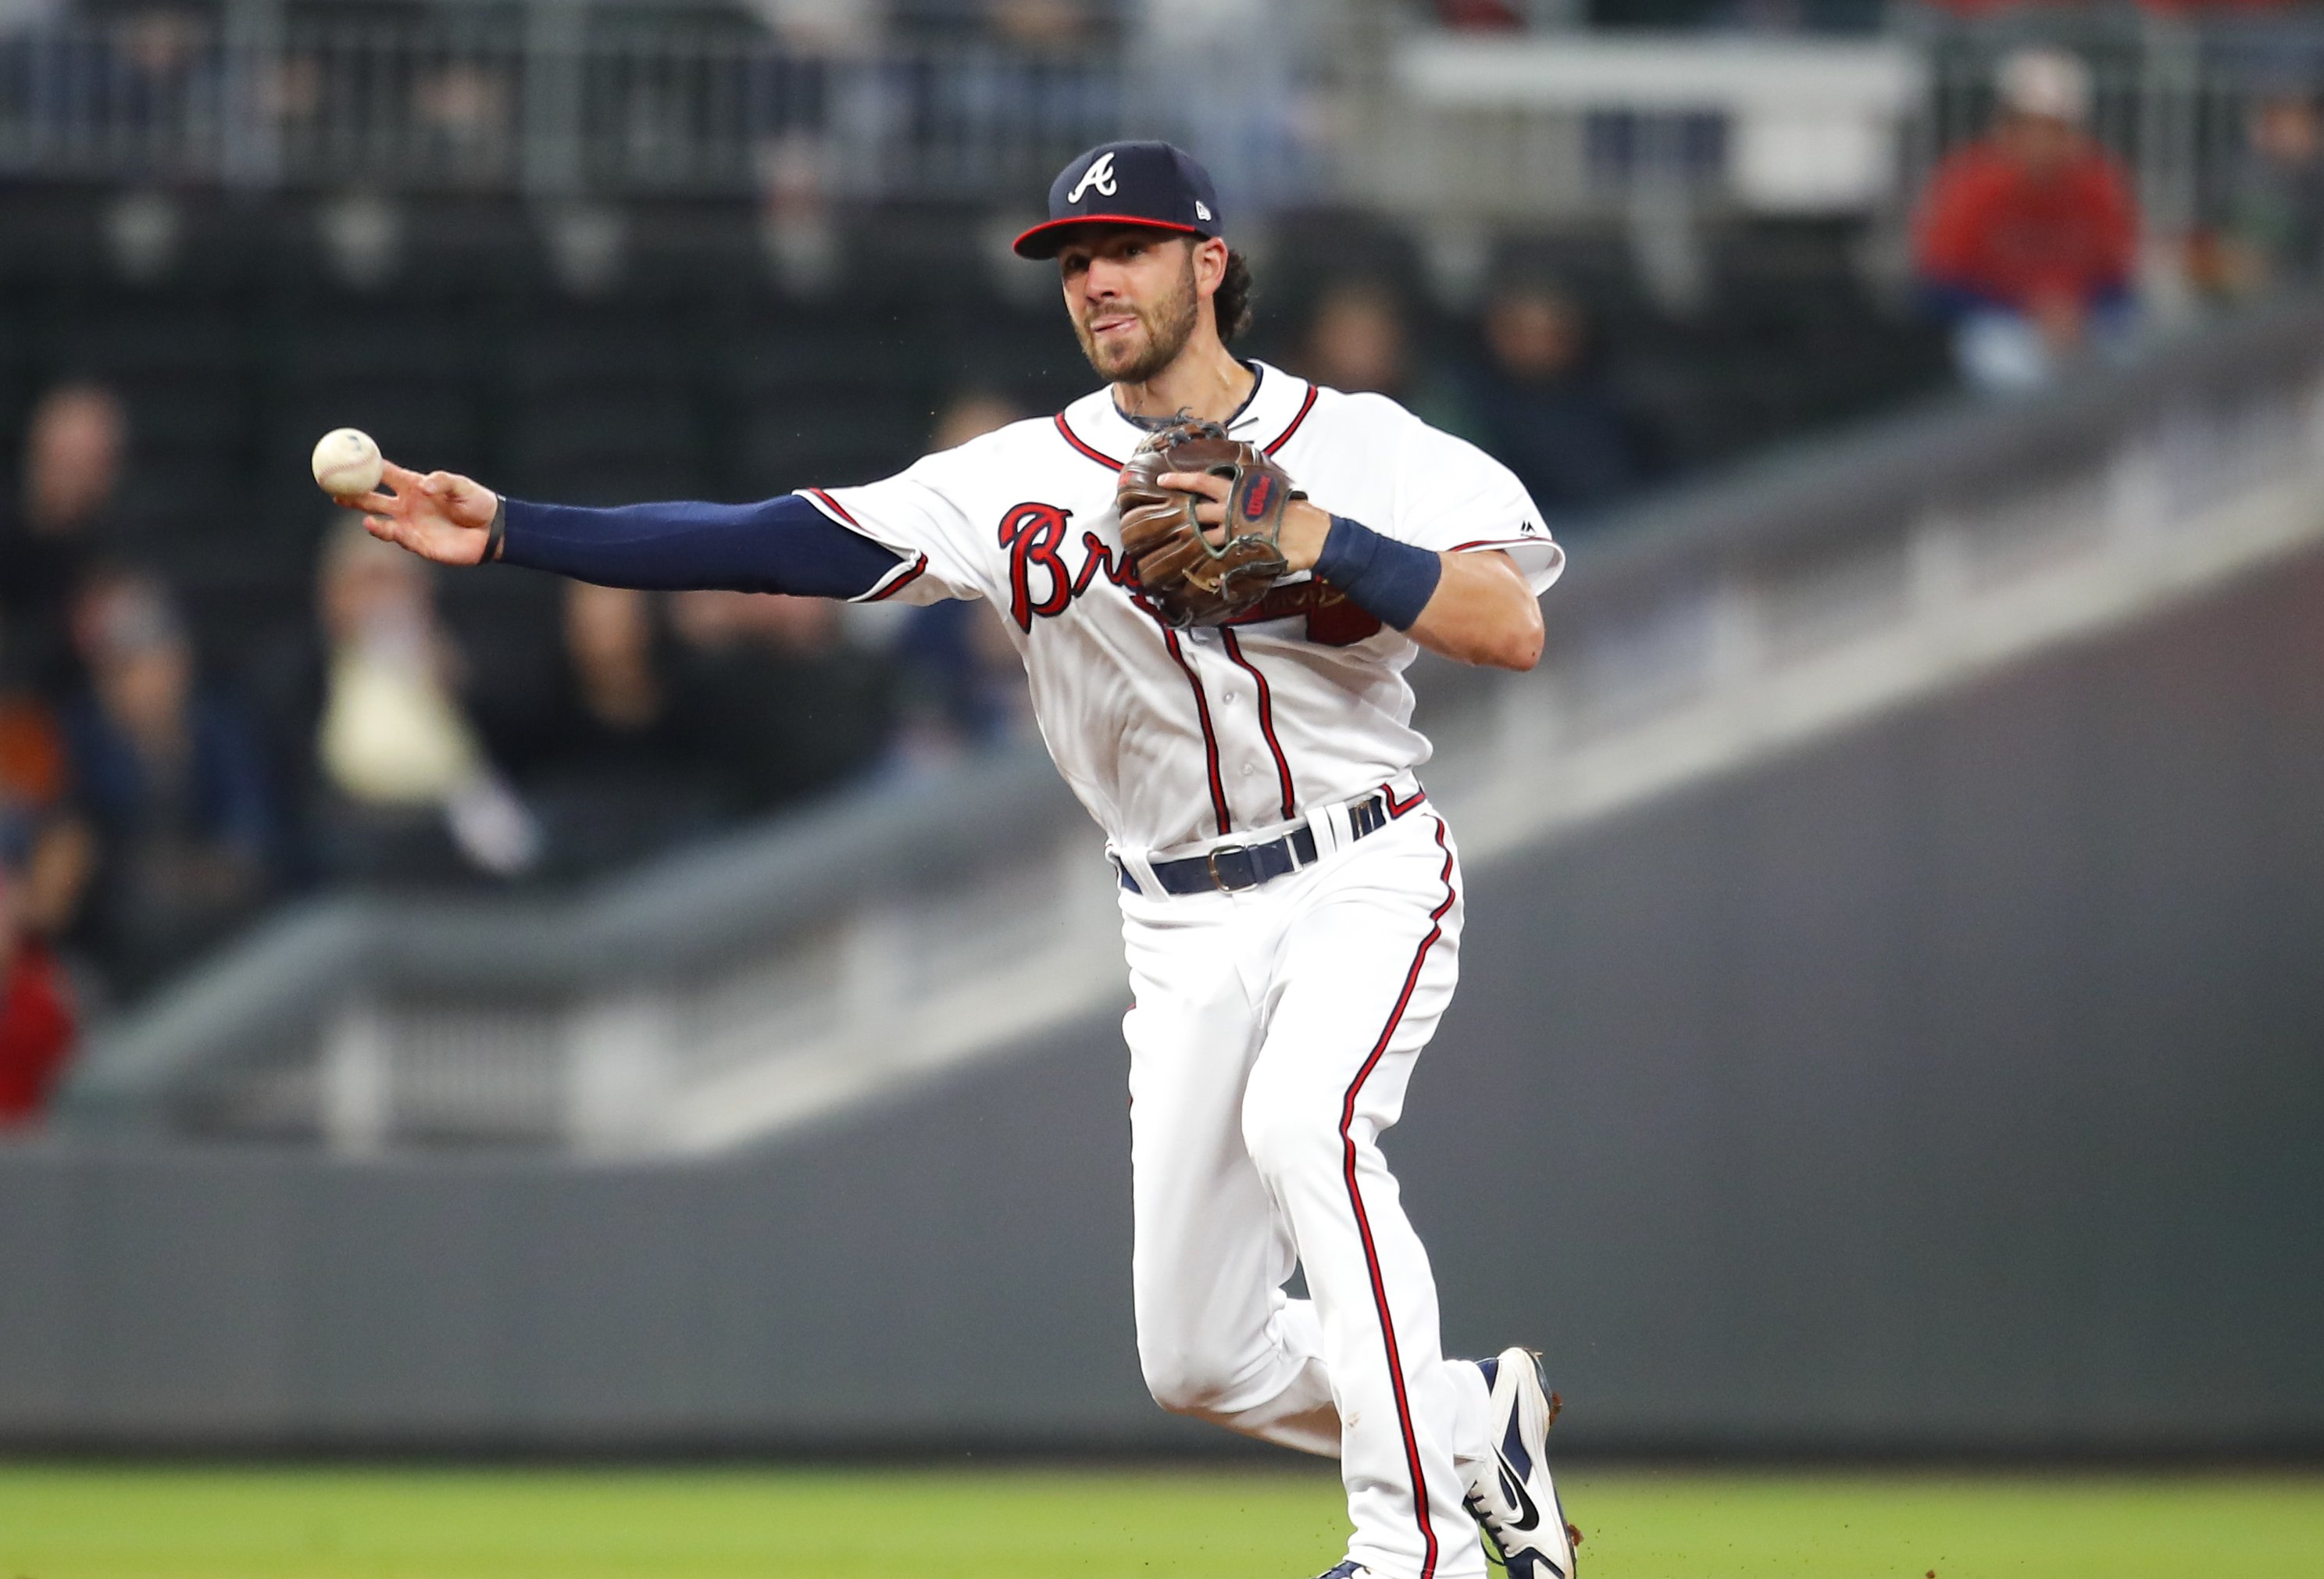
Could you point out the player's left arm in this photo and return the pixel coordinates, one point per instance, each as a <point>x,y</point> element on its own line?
<point>1479,610</point>
<point>1473,606</point>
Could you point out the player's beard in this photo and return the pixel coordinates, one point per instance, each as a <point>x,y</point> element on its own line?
<point>1168,325</point>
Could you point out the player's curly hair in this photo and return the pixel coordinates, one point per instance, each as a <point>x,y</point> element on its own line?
<point>1231,305</point>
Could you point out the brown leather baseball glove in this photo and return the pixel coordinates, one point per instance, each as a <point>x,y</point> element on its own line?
<point>1197,576</point>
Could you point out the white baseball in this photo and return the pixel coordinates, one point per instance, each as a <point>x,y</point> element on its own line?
<point>346,463</point>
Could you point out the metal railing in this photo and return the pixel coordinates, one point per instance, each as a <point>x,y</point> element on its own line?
<point>289,1032</point>
<point>548,102</point>
<point>1326,100</point>
<point>563,98</point>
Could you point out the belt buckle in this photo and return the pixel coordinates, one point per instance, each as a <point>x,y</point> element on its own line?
<point>1210,864</point>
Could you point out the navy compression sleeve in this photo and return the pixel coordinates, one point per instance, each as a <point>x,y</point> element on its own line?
<point>777,545</point>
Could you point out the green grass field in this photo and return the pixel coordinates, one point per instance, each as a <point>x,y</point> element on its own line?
<point>79,1522</point>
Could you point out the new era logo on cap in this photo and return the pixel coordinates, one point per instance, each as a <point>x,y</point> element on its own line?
<point>1126,183</point>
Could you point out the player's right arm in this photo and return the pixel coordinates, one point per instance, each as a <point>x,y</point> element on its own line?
<point>782,544</point>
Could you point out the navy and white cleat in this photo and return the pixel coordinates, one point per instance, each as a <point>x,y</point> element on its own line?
<point>1351,1569</point>
<point>1513,1499</point>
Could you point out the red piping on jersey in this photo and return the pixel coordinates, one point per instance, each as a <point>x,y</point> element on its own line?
<point>1394,808</point>
<point>1266,722</point>
<point>919,566</point>
<point>1306,406</point>
<point>1104,459</point>
<point>1363,1224</point>
<point>1210,739</point>
<point>1074,438</point>
<point>1500,542</point>
<point>833,505</point>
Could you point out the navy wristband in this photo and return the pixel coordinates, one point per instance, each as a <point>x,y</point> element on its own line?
<point>1379,575</point>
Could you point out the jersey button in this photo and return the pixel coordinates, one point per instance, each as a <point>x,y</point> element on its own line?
<point>1249,769</point>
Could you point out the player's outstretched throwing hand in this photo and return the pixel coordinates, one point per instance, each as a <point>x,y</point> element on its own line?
<point>441,516</point>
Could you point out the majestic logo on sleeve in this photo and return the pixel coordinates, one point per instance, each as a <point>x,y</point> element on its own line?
<point>1099,174</point>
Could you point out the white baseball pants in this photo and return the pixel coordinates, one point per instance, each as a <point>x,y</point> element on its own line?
<point>1274,1034</point>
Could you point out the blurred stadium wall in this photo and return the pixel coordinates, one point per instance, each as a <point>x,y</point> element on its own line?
<point>1891,1005</point>
<point>1950,1086</point>
<point>1943,1081</point>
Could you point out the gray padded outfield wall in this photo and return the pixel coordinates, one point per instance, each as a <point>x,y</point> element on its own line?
<point>1956,1084</point>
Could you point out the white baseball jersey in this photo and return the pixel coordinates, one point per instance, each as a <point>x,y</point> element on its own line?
<point>1178,739</point>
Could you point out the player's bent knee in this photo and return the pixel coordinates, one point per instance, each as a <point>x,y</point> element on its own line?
<point>1184,1380</point>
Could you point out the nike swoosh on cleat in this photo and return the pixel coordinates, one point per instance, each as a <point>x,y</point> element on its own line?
<point>1515,1485</point>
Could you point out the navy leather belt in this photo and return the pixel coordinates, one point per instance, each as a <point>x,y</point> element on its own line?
<point>1233,868</point>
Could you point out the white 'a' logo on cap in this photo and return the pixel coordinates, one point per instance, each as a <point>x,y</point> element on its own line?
<point>1099,174</point>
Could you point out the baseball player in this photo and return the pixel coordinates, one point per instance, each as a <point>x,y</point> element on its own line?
<point>1215,574</point>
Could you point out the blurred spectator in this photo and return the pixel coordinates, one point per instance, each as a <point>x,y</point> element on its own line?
<point>1045,25</point>
<point>962,686</point>
<point>402,765</point>
<point>613,787</point>
<point>1486,16</point>
<point>972,414</point>
<point>1540,405</point>
<point>169,781</point>
<point>798,226</point>
<point>769,697</point>
<point>462,113</point>
<point>73,449</point>
<point>2028,239</point>
<point>33,771</point>
<point>2272,232</point>
<point>1358,341</point>
<point>36,1014</point>
<point>159,69</point>
<point>609,639</point>
<point>47,848</point>
<point>824,25</point>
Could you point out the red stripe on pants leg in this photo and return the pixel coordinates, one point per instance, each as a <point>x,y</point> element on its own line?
<point>1363,1224</point>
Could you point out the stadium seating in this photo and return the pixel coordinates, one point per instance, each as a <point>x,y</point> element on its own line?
<point>239,328</point>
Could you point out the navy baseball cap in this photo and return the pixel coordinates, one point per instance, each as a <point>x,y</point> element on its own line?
<point>1126,183</point>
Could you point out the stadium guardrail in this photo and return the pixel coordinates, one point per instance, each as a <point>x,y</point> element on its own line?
<point>673,920</point>
<point>1303,104</point>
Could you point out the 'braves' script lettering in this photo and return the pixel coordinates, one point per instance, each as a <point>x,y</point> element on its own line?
<point>1031,533</point>
<point>1040,587</point>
